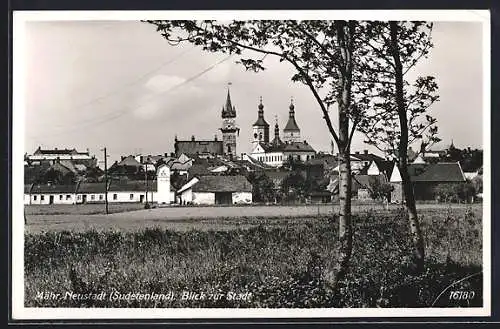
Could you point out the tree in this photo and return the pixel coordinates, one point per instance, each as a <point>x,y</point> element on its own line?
<point>324,55</point>
<point>262,187</point>
<point>399,116</point>
<point>380,190</point>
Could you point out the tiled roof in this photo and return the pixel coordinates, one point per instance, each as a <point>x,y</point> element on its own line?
<point>132,185</point>
<point>440,172</point>
<point>198,147</point>
<point>53,189</point>
<point>222,184</point>
<point>261,122</point>
<point>129,161</point>
<point>91,188</point>
<point>298,146</point>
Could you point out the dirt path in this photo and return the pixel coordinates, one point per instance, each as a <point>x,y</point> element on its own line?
<point>191,217</point>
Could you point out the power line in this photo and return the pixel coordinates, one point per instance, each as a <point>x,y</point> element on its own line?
<point>120,113</point>
<point>132,82</point>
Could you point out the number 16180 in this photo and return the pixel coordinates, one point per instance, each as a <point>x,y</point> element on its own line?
<point>462,295</point>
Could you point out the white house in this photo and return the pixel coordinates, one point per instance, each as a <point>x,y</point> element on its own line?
<point>211,190</point>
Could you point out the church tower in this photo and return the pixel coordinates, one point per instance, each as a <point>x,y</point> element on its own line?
<point>260,128</point>
<point>291,133</point>
<point>229,129</point>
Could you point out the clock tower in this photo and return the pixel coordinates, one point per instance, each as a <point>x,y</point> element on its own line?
<point>229,129</point>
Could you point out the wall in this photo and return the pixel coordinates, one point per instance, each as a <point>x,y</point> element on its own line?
<point>163,183</point>
<point>397,193</point>
<point>242,197</point>
<point>36,198</point>
<point>186,196</point>
<point>203,198</point>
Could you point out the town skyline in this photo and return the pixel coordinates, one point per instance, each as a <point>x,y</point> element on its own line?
<point>168,91</point>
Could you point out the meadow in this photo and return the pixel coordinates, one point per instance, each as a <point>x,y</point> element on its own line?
<point>259,262</point>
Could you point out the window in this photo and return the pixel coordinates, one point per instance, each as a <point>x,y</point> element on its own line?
<point>34,197</point>
<point>101,196</point>
<point>60,197</point>
<point>42,197</point>
<point>68,196</point>
<point>115,196</point>
<point>79,197</point>
<point>131,197</point>
<point>92,197</point>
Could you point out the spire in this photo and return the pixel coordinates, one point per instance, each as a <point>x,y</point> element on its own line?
<point>228,111</point>
<point>276,128</point>
<point>260,119</point>
<point>276,141</point>
<point>291,124</point>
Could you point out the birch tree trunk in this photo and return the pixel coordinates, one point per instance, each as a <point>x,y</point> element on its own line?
<point>415,232</point>
<point>345,193</point>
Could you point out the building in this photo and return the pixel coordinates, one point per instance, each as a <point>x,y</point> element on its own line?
<point>229,129</point>
<point>426,178</point>
<point>51,155</point>
<point>215,190</point>
<point>277,152</point>
<point>195,147</point>
<point>119,191</point>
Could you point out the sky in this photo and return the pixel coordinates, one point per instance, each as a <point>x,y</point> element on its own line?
<point>120,85</point>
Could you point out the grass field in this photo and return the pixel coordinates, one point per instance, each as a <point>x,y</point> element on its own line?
<point>270,261</point>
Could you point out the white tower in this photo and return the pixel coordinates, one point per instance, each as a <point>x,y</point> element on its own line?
<point>163,183</point>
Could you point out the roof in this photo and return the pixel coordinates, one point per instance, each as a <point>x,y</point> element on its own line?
<point>132,186</point>
<point>129,161</point>
<point>441,172</point>
<point>261,122</point>
<point>291,124</point>
<point>57,151</point>
<point>53,189</point>
<point>298,146</point>
<point>364,181</point>
<point>228,111</point>
<point>91,188</point>
<point>198,147</point>
<point>199,169</point>
<point>62,168</point>
<point>222,184</point>
<point>27,188</point>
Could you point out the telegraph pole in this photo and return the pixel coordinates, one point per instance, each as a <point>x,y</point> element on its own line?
<point>146,181</point>
<point>106,179</point>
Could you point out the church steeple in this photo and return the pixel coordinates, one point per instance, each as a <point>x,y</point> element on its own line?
<point>229,129</point>
<point>276,141</point>
<point>228,111</point>
<point>260,127</point>
<point>292,130</point>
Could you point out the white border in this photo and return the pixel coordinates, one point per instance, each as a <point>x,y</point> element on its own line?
<point>20,312</point>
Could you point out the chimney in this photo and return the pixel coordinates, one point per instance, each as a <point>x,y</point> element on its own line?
<point>305,142</point>
<point>55,148</point>
<point>357,152</point>
<point>366,151</point>
<point>141,159</point>
<point>215,138</point>
<point>172,154</point>
<point>122,157</point>
<point>192,138</point>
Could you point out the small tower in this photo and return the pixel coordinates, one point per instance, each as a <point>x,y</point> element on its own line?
<point>229,129</point>
<point>291,133</point>
<point>276,141</point>
<point>260,127</point>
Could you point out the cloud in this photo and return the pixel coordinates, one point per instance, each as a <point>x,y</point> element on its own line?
<point>162,93</point>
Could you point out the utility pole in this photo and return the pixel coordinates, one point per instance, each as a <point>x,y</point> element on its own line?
<point>146,180</point>
<point>106,179</point>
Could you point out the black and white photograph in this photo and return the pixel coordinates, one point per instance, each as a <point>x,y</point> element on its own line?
<point>245,164</point>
